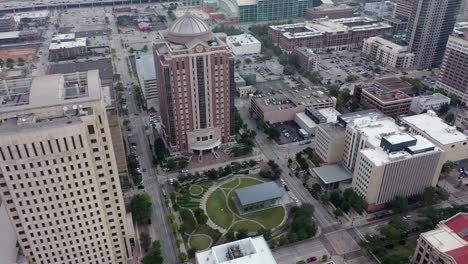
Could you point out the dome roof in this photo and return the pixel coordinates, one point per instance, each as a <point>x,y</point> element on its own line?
<point>187,28</point>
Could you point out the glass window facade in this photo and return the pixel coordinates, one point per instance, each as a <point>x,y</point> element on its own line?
<point>271,10</point>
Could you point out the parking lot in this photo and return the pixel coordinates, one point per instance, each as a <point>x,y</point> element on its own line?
<point>289,132</point>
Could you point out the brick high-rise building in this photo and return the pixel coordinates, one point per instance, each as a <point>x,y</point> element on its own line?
<point>430,24</point>
<point>195,73</point>
<point>58,172</point>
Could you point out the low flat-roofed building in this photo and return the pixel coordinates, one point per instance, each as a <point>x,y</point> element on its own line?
<point>428,102</point>
<point>398,24</point>
<point>258,197</point>
<point>33,16</point>
<point>403,165</point>
<point>13,38</point>
<point>391,55</point>
<point>453,142</point>
<point>244,91</point>
<point>447,243</point>
<point>239,80</point>
<point>67,46</point>
<point>304,122</point>
<point>244,44</point>
<point>7,23</point>
<point>252,250</point>
<point>330,176</point>
<point>307,58</point>
<point>147,78</point>
<point>388,95</point>
<point>461,119</point>
<point>331,12</point>
<point>311,118</point>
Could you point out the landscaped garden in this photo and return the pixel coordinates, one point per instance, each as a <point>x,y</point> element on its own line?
<point>221,209</point>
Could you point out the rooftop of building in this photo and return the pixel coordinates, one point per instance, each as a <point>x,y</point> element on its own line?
<point>246,2</point>
<point>376,128</point>
<point>306,52</point>
<point>332,173</point>
<point>5,17</point>
<point>9,34</point>
<point>450,237</point>
<point>78,42</point>
<point>344,119</point>
<point>330,8</point>
<point>241,40</point>
<point>390,43</point>
<point>103,65</point>
<point>379,156</point>
<point>460,28</point>
<point>433,97</point>
<point>389,90</point>
<point>248,250</point>
<point>280,96</point>
<point>258,193</point>
<point>438,130</point>
<point>306,120</point>
<point>330,114</point>
<point>333,130</point>
<point>63,37</point>
<point>145,67</point>
<point>49,90</point>
<point>32,14</point>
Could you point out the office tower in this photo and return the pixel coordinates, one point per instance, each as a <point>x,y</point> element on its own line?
<point>463,14</point>
<point>195,73</point>
<point>452,76</point>
<point>402,9</point>
<point>270,10</point>
<point>430,24</point>
<point>58,172</point>
<point>402,165</point>
<point>447,243</point>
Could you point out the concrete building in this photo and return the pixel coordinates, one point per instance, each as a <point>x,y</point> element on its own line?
<point>428,102</point>
<point>258,197</point>
<point>281,107</point>
<point>447,243</point>
<point>243,44</point>
<point>461,119</point>
<point>388,54</point>
<point>402,165</point>
<point>269,10</point>
<point>448,138</point>
<point>388,95</point>
<point>58,173</point>
<point>147,79</point>
<point>19,38</point>
<point>307,58</point>
<point>398,24</point>
<point>244,91</point>
<point>252,250</point>
<point>195,73</point>
<point>463,14</point>
<point>402,8</point>
<point>7,23</point>
<point>323,34</point>
<point>330,177</point>
<point>9,242</point>
<point>67,46</point>
<point>380,8</point>
<point>332,12</point>
<point>455,62</point>
<point>430,24</point>
<point>33,17</point>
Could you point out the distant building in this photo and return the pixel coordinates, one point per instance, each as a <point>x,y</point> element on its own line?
<point>380,8</point>
<point>453,142</point>
<point>33,17</point>
<point>258,197</point>
<point>333,12</point>
<point>455,62</point>
<point>402,8</point>
<point>147,78</point>
<point>388,95</point>
<point>67,46</point>
<point>9,245</point>
<point>7,23</point>
<point>243,44</point>
<point>428,102</point>
<point>244,91</point>
<point>402,165</point>
<point>323,34</point>
<point>252,250</point>
<point>398,24</point>
<point>461,119</point>
<point>329,142</point>
<point>238,80</point>
<point>19,38</point>
<point>447,243</point>
<point>388,54</point>
<point>270,10</point>
<point>307,58</point>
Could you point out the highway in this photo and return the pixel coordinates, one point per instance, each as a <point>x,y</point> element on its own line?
<point>160,228</point>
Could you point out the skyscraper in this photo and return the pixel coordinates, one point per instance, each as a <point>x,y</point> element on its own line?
<point>430,24</point>
<point>58,173</point>
<point>195,73</point>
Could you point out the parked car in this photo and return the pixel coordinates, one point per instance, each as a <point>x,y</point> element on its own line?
<point>141,187</point>
<point>286,188</point>
<point>311,259</point>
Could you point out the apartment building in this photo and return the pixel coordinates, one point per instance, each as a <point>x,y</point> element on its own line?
<point>430,24</point>
<point>307,59</point>
<point>66,46</point>
<point>388,54</point>
<point>447,243</point>
<point>333,12</point>
<point>195,74</point>
<point>147,79</point>
<point>428,102</point>
<point>402,165</point>
<point>455,62</point>
<point>58,172</point>
<point>7,23</point>
<point>461,119</point>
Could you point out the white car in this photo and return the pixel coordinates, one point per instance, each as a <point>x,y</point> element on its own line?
<point>282,181</point>
<point>171,181</point>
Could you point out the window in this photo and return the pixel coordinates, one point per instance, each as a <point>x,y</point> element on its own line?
<point>91,129</point>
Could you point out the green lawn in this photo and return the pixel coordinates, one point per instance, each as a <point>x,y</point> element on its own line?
<point>248,225</point>
<point>199,242</point>
<point>205,229</point>
<point>217,210</point>
<point>205,184</point>
<point>230,184</point>
<point>196,190</point>
<point>248,182</point>
<point>270,218</point>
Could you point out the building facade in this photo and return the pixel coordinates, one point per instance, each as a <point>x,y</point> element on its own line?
<point>58,173</point>
<point>402,8</point>
<point>461,119</point>
<point>329,142</point>
<point>334,12</point>
<point>430,24</point>
<point>447,243</point>
<point>147,79</point>
<point>272,10</point>
<point>195,73</point>
<point>429,102</point>
<point>323,34</point>
<point>307,58</point>
<point>455,62</point>
<point>66,46</point>
<point>389,54</point>
<point>7,23</point>
<point>244,44</point>
<point>402,165</point>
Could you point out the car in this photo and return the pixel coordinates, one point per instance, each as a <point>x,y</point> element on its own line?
<point>407,217</point>
<point>282,181</point>
<point>311,259</point>
<point>286,188</point>
<point>171,181</point>
<point>141,187</point>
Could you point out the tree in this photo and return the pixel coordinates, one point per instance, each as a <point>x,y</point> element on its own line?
<point>449,118</point>
<point>202,219</point>
<point>399,204</point>
<point>444,109</point>
<point>269,54</point>
<point>316,188</point>
<point>145,241</point>
<point>324,199</point>
<point>131,50</point>
<point>141,208</point>
<point>266,233</point>
<point>9,63</point>
<point>390,233</point>
<point>338,212</point>
<point>351,78</point>
<point>182,257</point>
<point>429,196</point>
<point>454,99</point>
<point>230,235</point>
<point>241,234</point>
<point>20,61</point>
<point>155,256</point>
<point>106,19</point>
<point>447,167</point>
<point>2,63</point>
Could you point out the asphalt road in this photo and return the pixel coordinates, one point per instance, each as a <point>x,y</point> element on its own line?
<point>160,226</point>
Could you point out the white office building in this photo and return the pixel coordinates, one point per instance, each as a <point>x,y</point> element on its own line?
<point>388,53</point>
<point>428,102</point>
<point>244,44</point>
<point>147,78</point>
